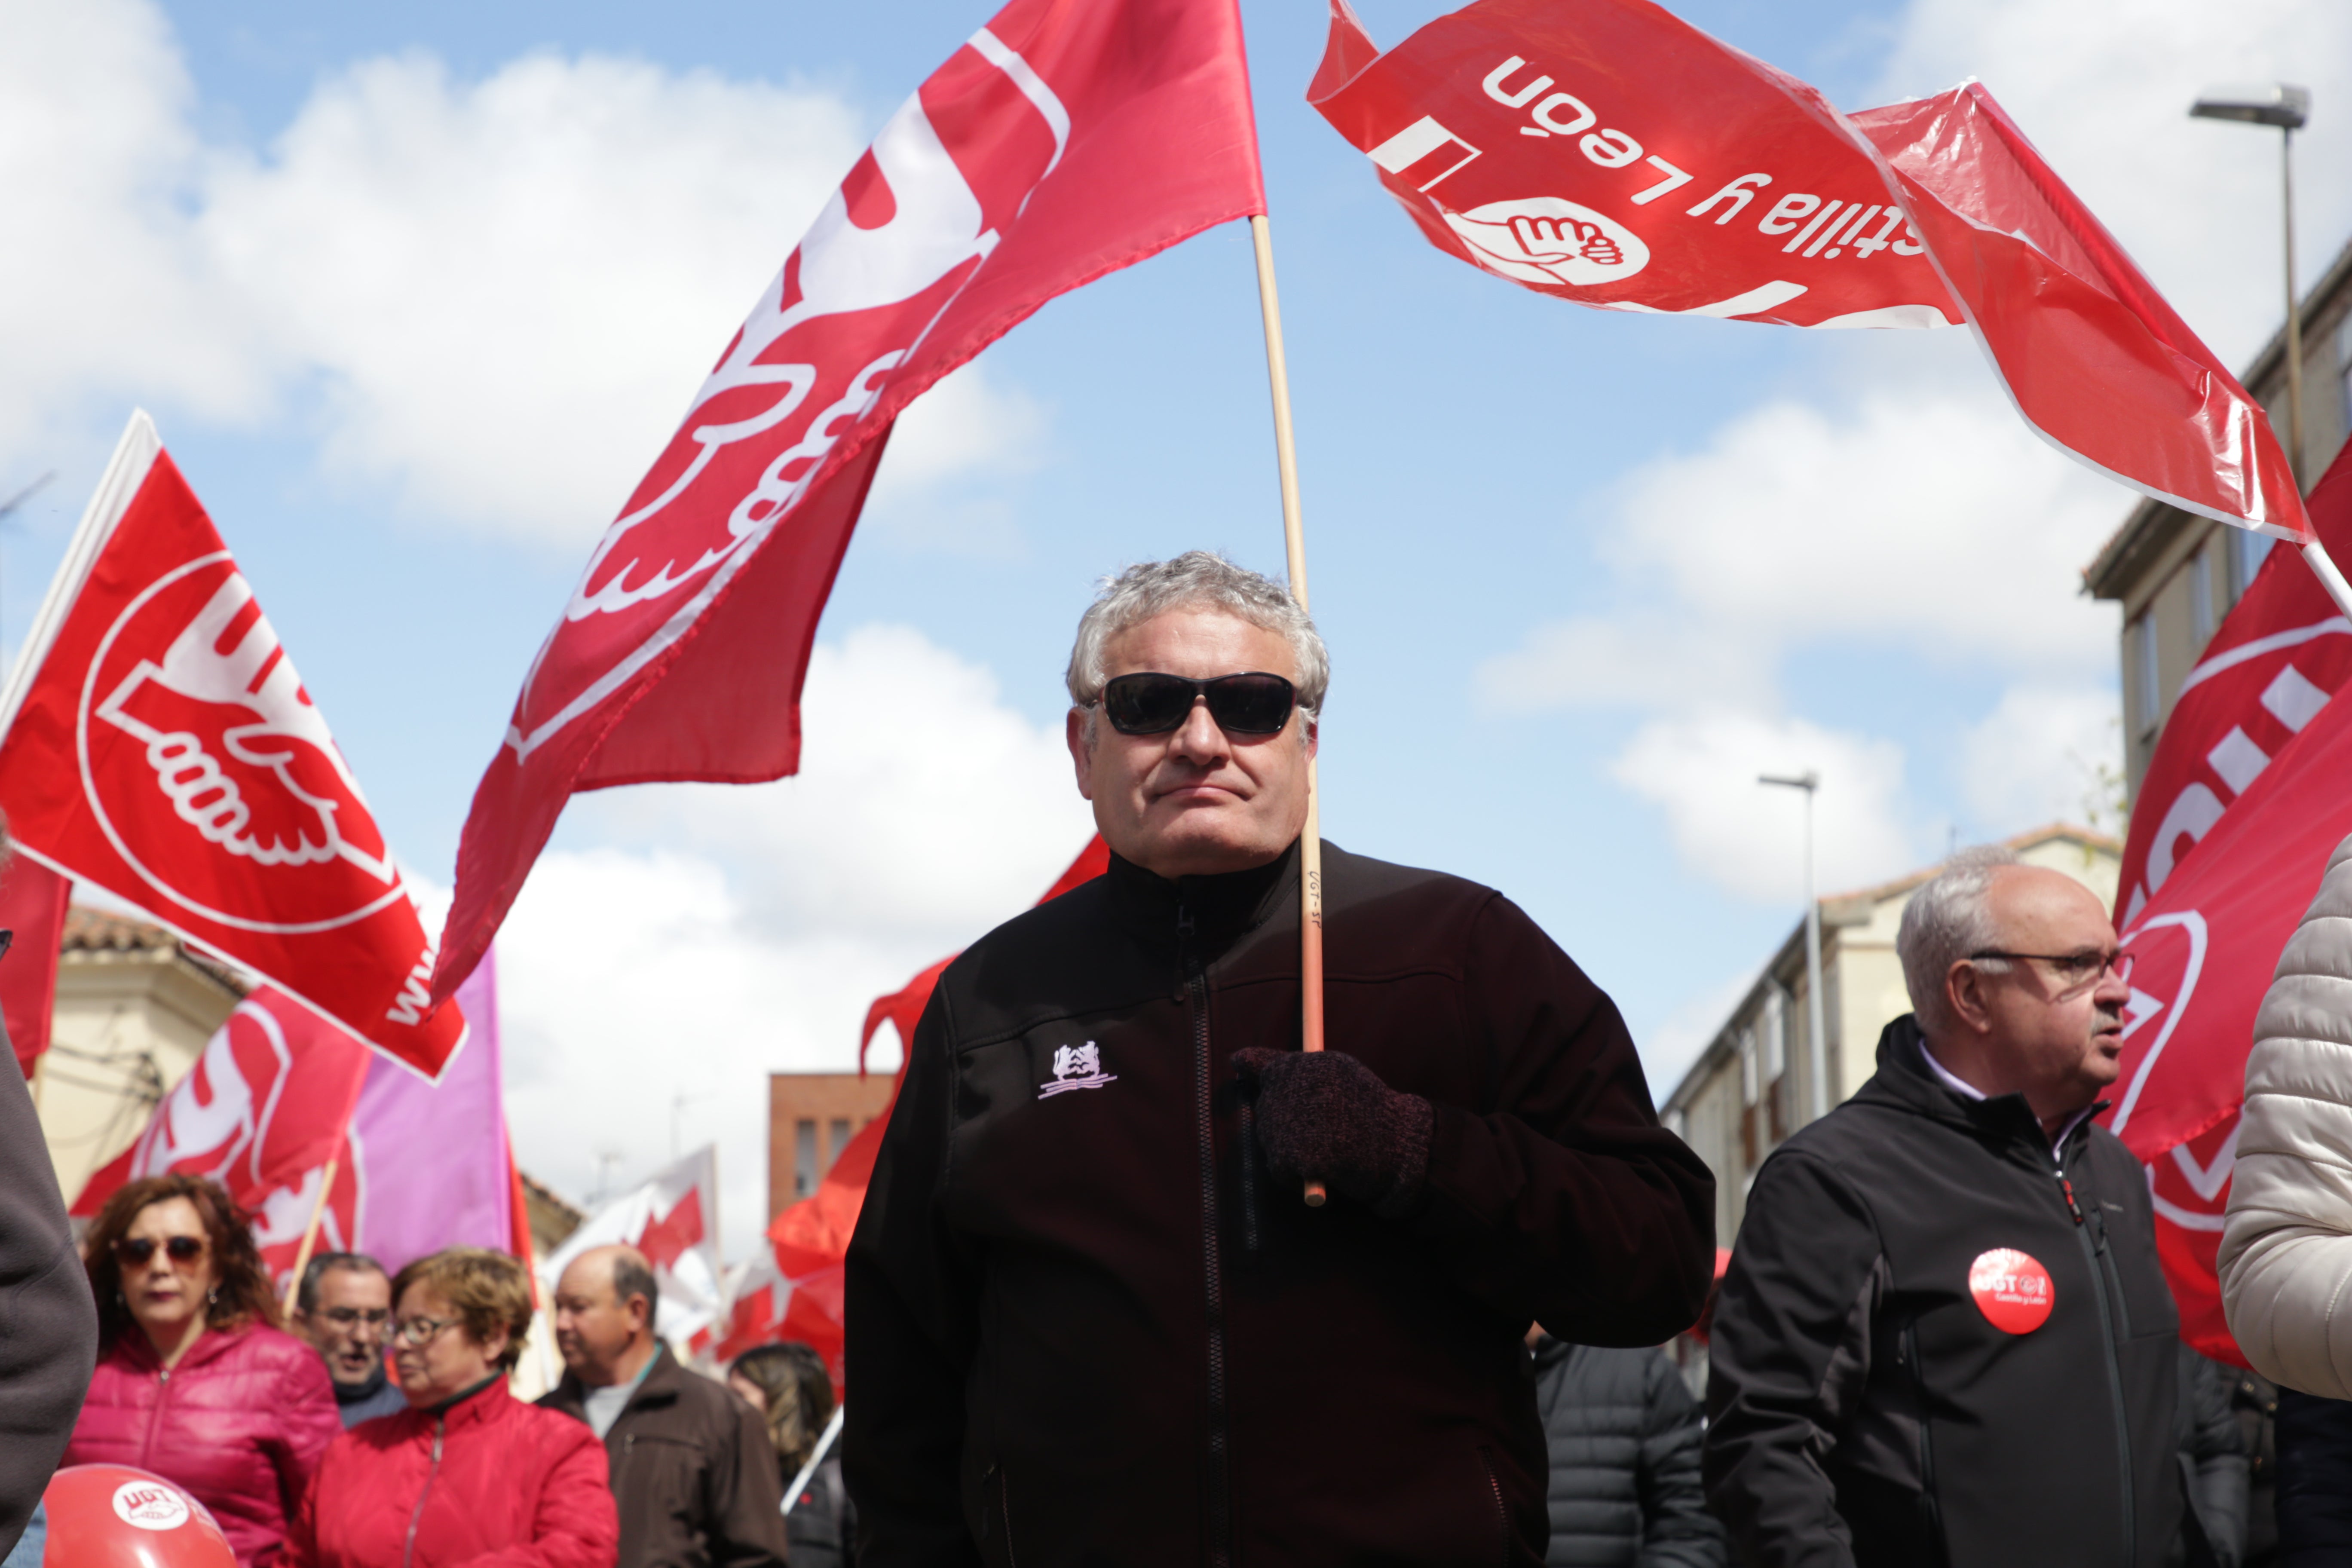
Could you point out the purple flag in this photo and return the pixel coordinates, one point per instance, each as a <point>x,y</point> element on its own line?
<point>432,1157</point>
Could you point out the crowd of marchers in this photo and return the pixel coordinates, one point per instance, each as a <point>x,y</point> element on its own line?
<point>1092,1317</point>
<point>374,1428</point>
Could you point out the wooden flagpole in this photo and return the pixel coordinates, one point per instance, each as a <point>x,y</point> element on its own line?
<point>1310,839</point>
<point>311,1234</point>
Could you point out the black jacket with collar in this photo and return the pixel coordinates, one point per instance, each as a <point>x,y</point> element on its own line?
<point>694,1474</point>
<point>1084,1327</point>
<point>1862,1408</point>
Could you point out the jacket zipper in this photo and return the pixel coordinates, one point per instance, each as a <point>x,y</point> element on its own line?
<point>1248,1136</point>
<point>416,1514</point>
<point>1196,985</point>
<point>1935,1504</point>
<point>1502,1509</point>
<point>155,1417</point>
<point>2115,1364</point>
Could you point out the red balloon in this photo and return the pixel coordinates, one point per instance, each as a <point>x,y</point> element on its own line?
<point>111,1516</point>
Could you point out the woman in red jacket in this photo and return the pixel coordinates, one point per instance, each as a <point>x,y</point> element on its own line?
<point>194,1382</point>
<point>467,1476</point>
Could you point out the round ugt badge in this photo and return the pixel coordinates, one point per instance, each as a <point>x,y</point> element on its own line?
<point>2012,1290</point>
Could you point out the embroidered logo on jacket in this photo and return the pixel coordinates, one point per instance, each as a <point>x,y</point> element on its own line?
<point>1076,1067</point>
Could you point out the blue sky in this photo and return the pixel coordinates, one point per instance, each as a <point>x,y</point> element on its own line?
<point>415,292</point>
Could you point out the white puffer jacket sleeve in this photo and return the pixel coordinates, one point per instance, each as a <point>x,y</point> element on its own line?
<point>2286,1253</point>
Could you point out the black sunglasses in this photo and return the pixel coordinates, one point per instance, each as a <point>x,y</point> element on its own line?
<point>137,1251</point>
<point>1153,704</point>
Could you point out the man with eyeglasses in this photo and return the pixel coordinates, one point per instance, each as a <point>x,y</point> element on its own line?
<point>1944,1336</point>
<point>1091,1317</point>
<point>343,1308</point>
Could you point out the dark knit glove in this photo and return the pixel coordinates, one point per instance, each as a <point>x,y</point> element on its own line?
<point>1324,1114</point>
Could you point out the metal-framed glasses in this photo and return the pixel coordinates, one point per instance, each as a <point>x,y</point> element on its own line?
<point>139,1250</point>
<point>352,1317</point>
<point>418,1333</point>
<point>2075,971</point>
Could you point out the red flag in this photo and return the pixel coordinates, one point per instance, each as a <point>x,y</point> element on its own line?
<point>262,1111</point>
<point>1062,143</point>
<point>33,906</point>
<point>1609,154</point>
<point>2206,945</point>
<point>158,744</point>
<point>2281,651</point>
<point>795,1292</point>
<point>2094,360</point>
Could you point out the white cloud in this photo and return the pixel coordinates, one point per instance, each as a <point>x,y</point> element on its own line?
<point>104,288</point>
<point>1941,524</point>
<point>512,287</point>
<point>494,298</point>
<point>1700,770</point>
<point>2044,753</point>
<point>1933,525</point>
<point>732,933</point>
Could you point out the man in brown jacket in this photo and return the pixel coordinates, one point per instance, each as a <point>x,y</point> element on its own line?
<point>692,1471</point>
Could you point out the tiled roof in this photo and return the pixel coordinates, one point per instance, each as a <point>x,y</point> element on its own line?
<point>103,931</point>
<point>549,1197</point>
<point>89,930</point>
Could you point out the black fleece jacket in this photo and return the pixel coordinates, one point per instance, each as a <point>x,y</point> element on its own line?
<point>48,1325</point>
<point>1083,1326</point>
<point>1865,1409</point>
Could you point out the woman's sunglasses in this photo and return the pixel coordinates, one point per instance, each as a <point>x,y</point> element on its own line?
<point>1154,704</point>
<point>138,1250</point>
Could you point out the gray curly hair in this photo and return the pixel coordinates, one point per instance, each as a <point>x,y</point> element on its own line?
<point>1947,919</point>
<point>1198,579</point>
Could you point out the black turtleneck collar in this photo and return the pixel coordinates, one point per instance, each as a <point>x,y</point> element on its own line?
<point>1217,908</point>
<point>360,1393</point>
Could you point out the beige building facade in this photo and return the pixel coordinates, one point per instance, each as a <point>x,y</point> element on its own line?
<point>2177,574</point>
<point>1751,1087</point>
<point>134,1008</point>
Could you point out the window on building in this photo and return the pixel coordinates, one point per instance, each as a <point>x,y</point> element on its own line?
<point>2344,374</point>
<point>2247,551</point>
<point>806,1170</point>
<point>1750,1113</point>
<point>2200,596</point>
<point>2146,700</point>
<point>836,1139</point>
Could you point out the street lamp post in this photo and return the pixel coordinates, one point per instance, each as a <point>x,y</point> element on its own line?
<point>1817,1052</point>
<point>2288,108</point>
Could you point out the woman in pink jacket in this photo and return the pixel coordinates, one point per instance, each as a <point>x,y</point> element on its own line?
<point>194,1381</point>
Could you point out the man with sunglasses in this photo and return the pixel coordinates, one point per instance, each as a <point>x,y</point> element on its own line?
<point>344,1308</point>
<point>1091,1316</point>
<point>1944,1336</point>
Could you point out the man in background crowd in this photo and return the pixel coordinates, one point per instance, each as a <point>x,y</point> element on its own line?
<point>1623,1433</point>
<point>344,1309</point>
<point>692,1471</point>
<point>1944,1336</point>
